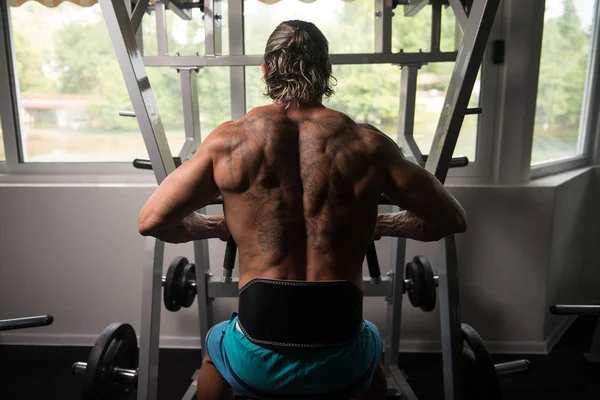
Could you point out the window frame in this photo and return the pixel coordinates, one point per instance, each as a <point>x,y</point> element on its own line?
<point>588,125</point>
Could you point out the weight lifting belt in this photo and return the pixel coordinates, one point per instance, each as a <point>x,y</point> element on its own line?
<point>300,314</point>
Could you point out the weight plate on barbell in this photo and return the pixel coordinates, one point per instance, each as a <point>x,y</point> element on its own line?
<point>415,293</point>
<point>116,347</point>
<point>189,293</point>
<point>480,378</point>
<point>174,292</point>
<point>429,295</point>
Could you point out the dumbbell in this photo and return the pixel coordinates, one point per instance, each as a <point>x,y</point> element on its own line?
<point>111,370</point>
<point>180,282</point>
<point>420,283</point>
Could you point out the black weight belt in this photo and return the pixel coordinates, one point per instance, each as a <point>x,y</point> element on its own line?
<point>300,314</point>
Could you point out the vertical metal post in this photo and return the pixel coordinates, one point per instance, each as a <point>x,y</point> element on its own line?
<point>191,111</point>
<point>161,29</point>
<point>150,324</point>
<point>138,86</point>
<point>202,262</point>
<point>468,61</point>
<point>436,26</point>
<point>212,27</point>
<point>394,303</point>
<point>9,86</point>
<point>452,340</point>
<point>237,75</point>
<point>383,26</point>
<point>406,115</point>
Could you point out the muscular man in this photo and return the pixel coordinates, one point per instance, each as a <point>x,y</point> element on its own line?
<point>300,184</point>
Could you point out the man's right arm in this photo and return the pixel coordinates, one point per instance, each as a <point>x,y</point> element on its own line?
<point>429,213</point>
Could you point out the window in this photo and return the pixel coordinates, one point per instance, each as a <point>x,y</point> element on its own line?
<point>412,34</point>
<point>71,88</point>
<point>348,25</point>
<point>566,53</point>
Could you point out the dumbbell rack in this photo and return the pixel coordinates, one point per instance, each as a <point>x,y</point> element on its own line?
<point>123,23</point>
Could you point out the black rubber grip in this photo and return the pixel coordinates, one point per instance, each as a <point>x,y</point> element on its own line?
<point>373,262</point>
<point>27,322</point>
<point>456,162</point>
<point>141,163</point>
<point>474,110</point>
<point>229,260</point>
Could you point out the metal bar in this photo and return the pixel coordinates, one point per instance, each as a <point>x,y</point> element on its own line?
<point>406,114</point>
<point>191,111</point>
<point>180,12</point>
<point>394,303</point>
<point>212,27</point>
<point>459,13</point>
<point>436,26</point>
<point>138,14</point>
<point>9,108</point>
<point>568,309</point>
<point>191,391</point>
<point>402,384</point>
<point>383,26</point>
<point>138,86</point>
<point>414,6</point>
<point>26,322</point>
<point>337,59</point>
<point>237,75</point>
<point>452,339</point>
<point>205,299</point>
<point>150,322</point>
<point>218,289</point>
<point>470,56</point>
<point>512,367</point>
<point>161,29</point>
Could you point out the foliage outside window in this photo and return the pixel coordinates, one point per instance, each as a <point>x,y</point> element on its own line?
<point>566,50</point>
<point>71,87</point>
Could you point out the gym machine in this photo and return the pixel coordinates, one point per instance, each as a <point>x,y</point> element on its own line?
<point>25,322</point>
<point>113,369</point>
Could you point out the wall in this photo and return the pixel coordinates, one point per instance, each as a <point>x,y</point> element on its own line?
<point>73,251</point>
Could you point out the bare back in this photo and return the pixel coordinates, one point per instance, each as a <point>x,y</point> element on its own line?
<point>301,188</point>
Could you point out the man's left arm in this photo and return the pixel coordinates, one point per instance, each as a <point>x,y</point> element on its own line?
<point>169,214</point>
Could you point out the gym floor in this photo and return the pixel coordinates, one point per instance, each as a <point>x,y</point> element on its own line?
<point>44,372</point>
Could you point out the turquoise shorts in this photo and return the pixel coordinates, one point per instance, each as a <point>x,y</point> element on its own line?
<point>259,372</point>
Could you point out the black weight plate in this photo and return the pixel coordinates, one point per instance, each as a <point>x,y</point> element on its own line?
<point>416,293</point>
<point>471,388</point>
<point>116,347</point>
<point>189,274</point>
<point>486,385</point>
<point>429,289</point>
<point>174,292</point>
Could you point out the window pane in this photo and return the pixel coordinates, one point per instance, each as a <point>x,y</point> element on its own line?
<point>371,93</point>
<point>348,25</point>
<point>412,34</point>
<point>214,95</point>
<point>2,154</point>
<point>183,36</point>
<point>566,48</point>
<point>71,88</point>
<point>432,83</point>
